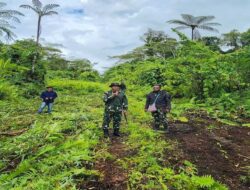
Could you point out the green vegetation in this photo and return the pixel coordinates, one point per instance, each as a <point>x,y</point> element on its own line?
<point>62,150</point>
<point>6,17</point>
<point>195,23</point>
<point>197,75</point>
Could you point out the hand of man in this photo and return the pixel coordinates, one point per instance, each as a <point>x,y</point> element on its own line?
<point>116,93</point>
<point>46,98</point>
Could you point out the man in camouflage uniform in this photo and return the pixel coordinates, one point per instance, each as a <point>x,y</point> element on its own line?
<point>115,103</point>
<point>162,102</point>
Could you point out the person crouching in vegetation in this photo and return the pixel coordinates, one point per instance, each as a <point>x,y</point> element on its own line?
<point>116,102</point>
<point>48,98</point>
<point>159,104</point>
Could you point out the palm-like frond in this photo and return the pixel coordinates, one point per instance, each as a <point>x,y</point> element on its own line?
<point>200,22</point>
<point>2,22</point>
<point>50,13</point>
<point>209,28</point>
<point>5,17</point>
<point>7,25</point>
<point>203,19</point>
<point>7,31</point>
<point>181,27</point>
<point>11,12</point>
<point>37,4</point>
<point>46,10</point>
<point>10,15</point>
<point>212,24</point>
<point>49,7</point>
<point>29,7</point>
<point>189,19</point>
<point>180,22</point>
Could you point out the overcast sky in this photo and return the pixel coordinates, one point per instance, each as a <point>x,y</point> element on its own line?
<point>96,29</point>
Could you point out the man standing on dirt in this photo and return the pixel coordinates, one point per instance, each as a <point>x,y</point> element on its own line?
<point>48,98</point>
<point>159,104</point>
<point>115,103</point>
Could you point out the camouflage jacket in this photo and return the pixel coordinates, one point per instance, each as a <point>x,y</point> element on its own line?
<point>115,103</point>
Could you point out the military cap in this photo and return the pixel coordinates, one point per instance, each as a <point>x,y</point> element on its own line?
<point>114,84</point>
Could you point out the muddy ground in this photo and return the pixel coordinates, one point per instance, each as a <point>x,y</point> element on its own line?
<point>114,176</point>
<point>218,150</point>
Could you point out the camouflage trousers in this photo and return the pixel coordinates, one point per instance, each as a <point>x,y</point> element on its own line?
<point>160,118</point>
<point>109,116</point>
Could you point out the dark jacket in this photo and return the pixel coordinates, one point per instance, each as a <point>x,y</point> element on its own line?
<point>51,96</point>
<point>163,101</point>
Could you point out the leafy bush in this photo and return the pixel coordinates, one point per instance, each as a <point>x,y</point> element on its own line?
<point>90,76</point>
<point>7,91</point>
<point>74,85</point>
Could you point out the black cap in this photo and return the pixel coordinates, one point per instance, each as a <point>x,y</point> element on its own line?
<point>114,84</point>
<point>49,87</point>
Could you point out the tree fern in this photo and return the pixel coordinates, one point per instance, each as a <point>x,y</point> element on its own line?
<point>195,23</point>
<point>6,17</point>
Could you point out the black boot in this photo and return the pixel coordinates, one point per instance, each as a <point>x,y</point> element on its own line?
<point>106,133</point>
<point>166,128</point>
<point>156,127</point>
<point>116,133</point>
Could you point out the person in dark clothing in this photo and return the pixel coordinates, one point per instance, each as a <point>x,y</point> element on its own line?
<point>48,98</point>
<point>116,102</point>
<point>159,104</point>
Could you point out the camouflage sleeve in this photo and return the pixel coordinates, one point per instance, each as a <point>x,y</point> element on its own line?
<point>125,103</point>
<point>107,96</point>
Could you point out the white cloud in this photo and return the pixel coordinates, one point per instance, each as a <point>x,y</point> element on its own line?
<point>96,29</point>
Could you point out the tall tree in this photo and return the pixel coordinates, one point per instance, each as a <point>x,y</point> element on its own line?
<point>158,44</point>
<point>245,38</point>
<point>6,16</point>
<point>195,23</point>
<point>212,42</point>
<point>42,11</point>
<point>232,39</point>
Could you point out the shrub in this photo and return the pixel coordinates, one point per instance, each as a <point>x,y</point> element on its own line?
<point>7,91</point>
<point>74,85</point>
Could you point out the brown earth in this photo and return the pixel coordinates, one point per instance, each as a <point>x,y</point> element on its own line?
<point>221,151</point>
<point>115,177</point>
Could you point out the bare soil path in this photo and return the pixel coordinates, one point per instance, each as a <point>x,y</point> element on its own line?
<point>114,176</point>
<point>223,152</point>
<point>218,150</point>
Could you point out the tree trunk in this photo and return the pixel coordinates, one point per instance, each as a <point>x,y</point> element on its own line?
<point>37,43</point>
<point>38,30</point>
<point>192,33</point>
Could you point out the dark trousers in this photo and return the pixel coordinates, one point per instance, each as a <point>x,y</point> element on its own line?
<point>109,116</point>
<point>160,118</point>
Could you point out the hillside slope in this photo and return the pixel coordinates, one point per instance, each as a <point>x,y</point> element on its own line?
<point>66,150</point>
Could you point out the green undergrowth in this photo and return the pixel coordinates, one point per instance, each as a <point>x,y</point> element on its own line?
<point>56,151</point>
<point>147,163</point>
<point>149,168</point>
